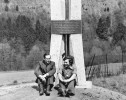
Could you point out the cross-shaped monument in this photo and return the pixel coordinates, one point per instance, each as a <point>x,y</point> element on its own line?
<point>66,36</point>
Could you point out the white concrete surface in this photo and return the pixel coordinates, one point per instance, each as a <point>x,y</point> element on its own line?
<point>77,46</point>
<point>75,10</point>
<point>57,9</point>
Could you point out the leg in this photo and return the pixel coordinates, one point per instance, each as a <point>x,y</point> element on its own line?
<point>57,87</point>
<point>62,89</point>
<point>49,84</point>
<point>57,83</point>
<point>71,88</point>
<point>41,86</point>
<point>47,92</point>
<point>52,84</point>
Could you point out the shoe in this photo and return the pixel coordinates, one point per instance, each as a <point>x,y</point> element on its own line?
<point>47,93</point>
<point>57,87</point>
<point>41,93</point>
<point>69,93</point>
<point>61,93</point>
<point>51,86</point>
<point>41,90</point>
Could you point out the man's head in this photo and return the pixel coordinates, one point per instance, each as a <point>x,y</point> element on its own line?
<point>66,63</point>
<point>47,58</point>
<point>70,59</point>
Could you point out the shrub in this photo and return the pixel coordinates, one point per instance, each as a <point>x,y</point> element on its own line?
<point>6,8</point>
<point>6,1</point>
<point>17,8</point>
<point>102,27</point>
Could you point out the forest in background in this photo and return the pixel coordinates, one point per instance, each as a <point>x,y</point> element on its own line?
<point>25,34</point>
<point>22,45</point>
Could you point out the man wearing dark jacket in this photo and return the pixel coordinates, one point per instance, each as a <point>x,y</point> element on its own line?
<point>44,72</point>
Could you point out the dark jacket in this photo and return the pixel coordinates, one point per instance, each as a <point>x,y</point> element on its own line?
<point>43,68</point>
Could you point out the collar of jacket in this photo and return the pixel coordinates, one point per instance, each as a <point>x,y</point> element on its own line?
<point>46,62</point>
<point>70,67</point>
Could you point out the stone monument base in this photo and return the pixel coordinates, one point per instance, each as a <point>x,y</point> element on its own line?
<point>87,84</point>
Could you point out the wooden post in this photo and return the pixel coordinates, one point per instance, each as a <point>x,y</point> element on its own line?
<point>122,62</point>
<point>106,65</point>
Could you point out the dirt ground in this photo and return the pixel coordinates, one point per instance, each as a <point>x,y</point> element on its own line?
<point>21,86</point>
<point>29,91</point>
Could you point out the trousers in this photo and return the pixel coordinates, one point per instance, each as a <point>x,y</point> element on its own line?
<point>70,86</point>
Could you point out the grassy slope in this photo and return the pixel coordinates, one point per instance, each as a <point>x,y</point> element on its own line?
<point>115,83</point>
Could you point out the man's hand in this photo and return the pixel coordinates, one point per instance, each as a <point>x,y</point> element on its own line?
<point>42,77</point>
<point>47,74</point>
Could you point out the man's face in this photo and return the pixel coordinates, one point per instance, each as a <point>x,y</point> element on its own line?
<point>47,58</point>
<point>66,63</point>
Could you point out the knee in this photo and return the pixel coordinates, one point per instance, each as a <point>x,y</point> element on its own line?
<point>71,84</point>
<point>50,80</point>
<point>40,81</point>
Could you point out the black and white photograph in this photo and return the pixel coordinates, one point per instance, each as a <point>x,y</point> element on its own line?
<point>62,49</point>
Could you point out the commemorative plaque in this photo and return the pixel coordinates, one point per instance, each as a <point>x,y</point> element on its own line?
<point>66,27</point>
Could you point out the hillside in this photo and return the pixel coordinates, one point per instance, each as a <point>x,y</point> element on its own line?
<point>25,27</point>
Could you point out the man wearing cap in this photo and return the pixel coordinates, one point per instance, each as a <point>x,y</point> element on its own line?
<point>67,77</point>
<point>44,72</point>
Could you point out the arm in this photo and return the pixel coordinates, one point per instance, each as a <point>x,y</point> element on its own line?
<point>74,74</point>
<point>60,77</point>
<point>37,70</point>
<point>60,73</point>
<point>38,73</point>
<point>51,72</point>
<point>71,78</point>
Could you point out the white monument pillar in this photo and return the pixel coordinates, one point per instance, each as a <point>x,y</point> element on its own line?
<point>60,26</point>
<point>57,13</point>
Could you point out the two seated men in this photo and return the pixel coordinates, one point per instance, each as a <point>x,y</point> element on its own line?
<point>45,71</point>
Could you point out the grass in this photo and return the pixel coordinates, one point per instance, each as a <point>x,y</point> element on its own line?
<point>16,77</point>
<point>15,82</point>
<point>114,83</point>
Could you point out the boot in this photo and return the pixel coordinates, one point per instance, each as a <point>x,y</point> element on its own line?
<point>41,89</point>
<point>57,87</point>
<point>51,86</point>
<point>47,91</point>
<point>61,92</point>
<point>70,92</point>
